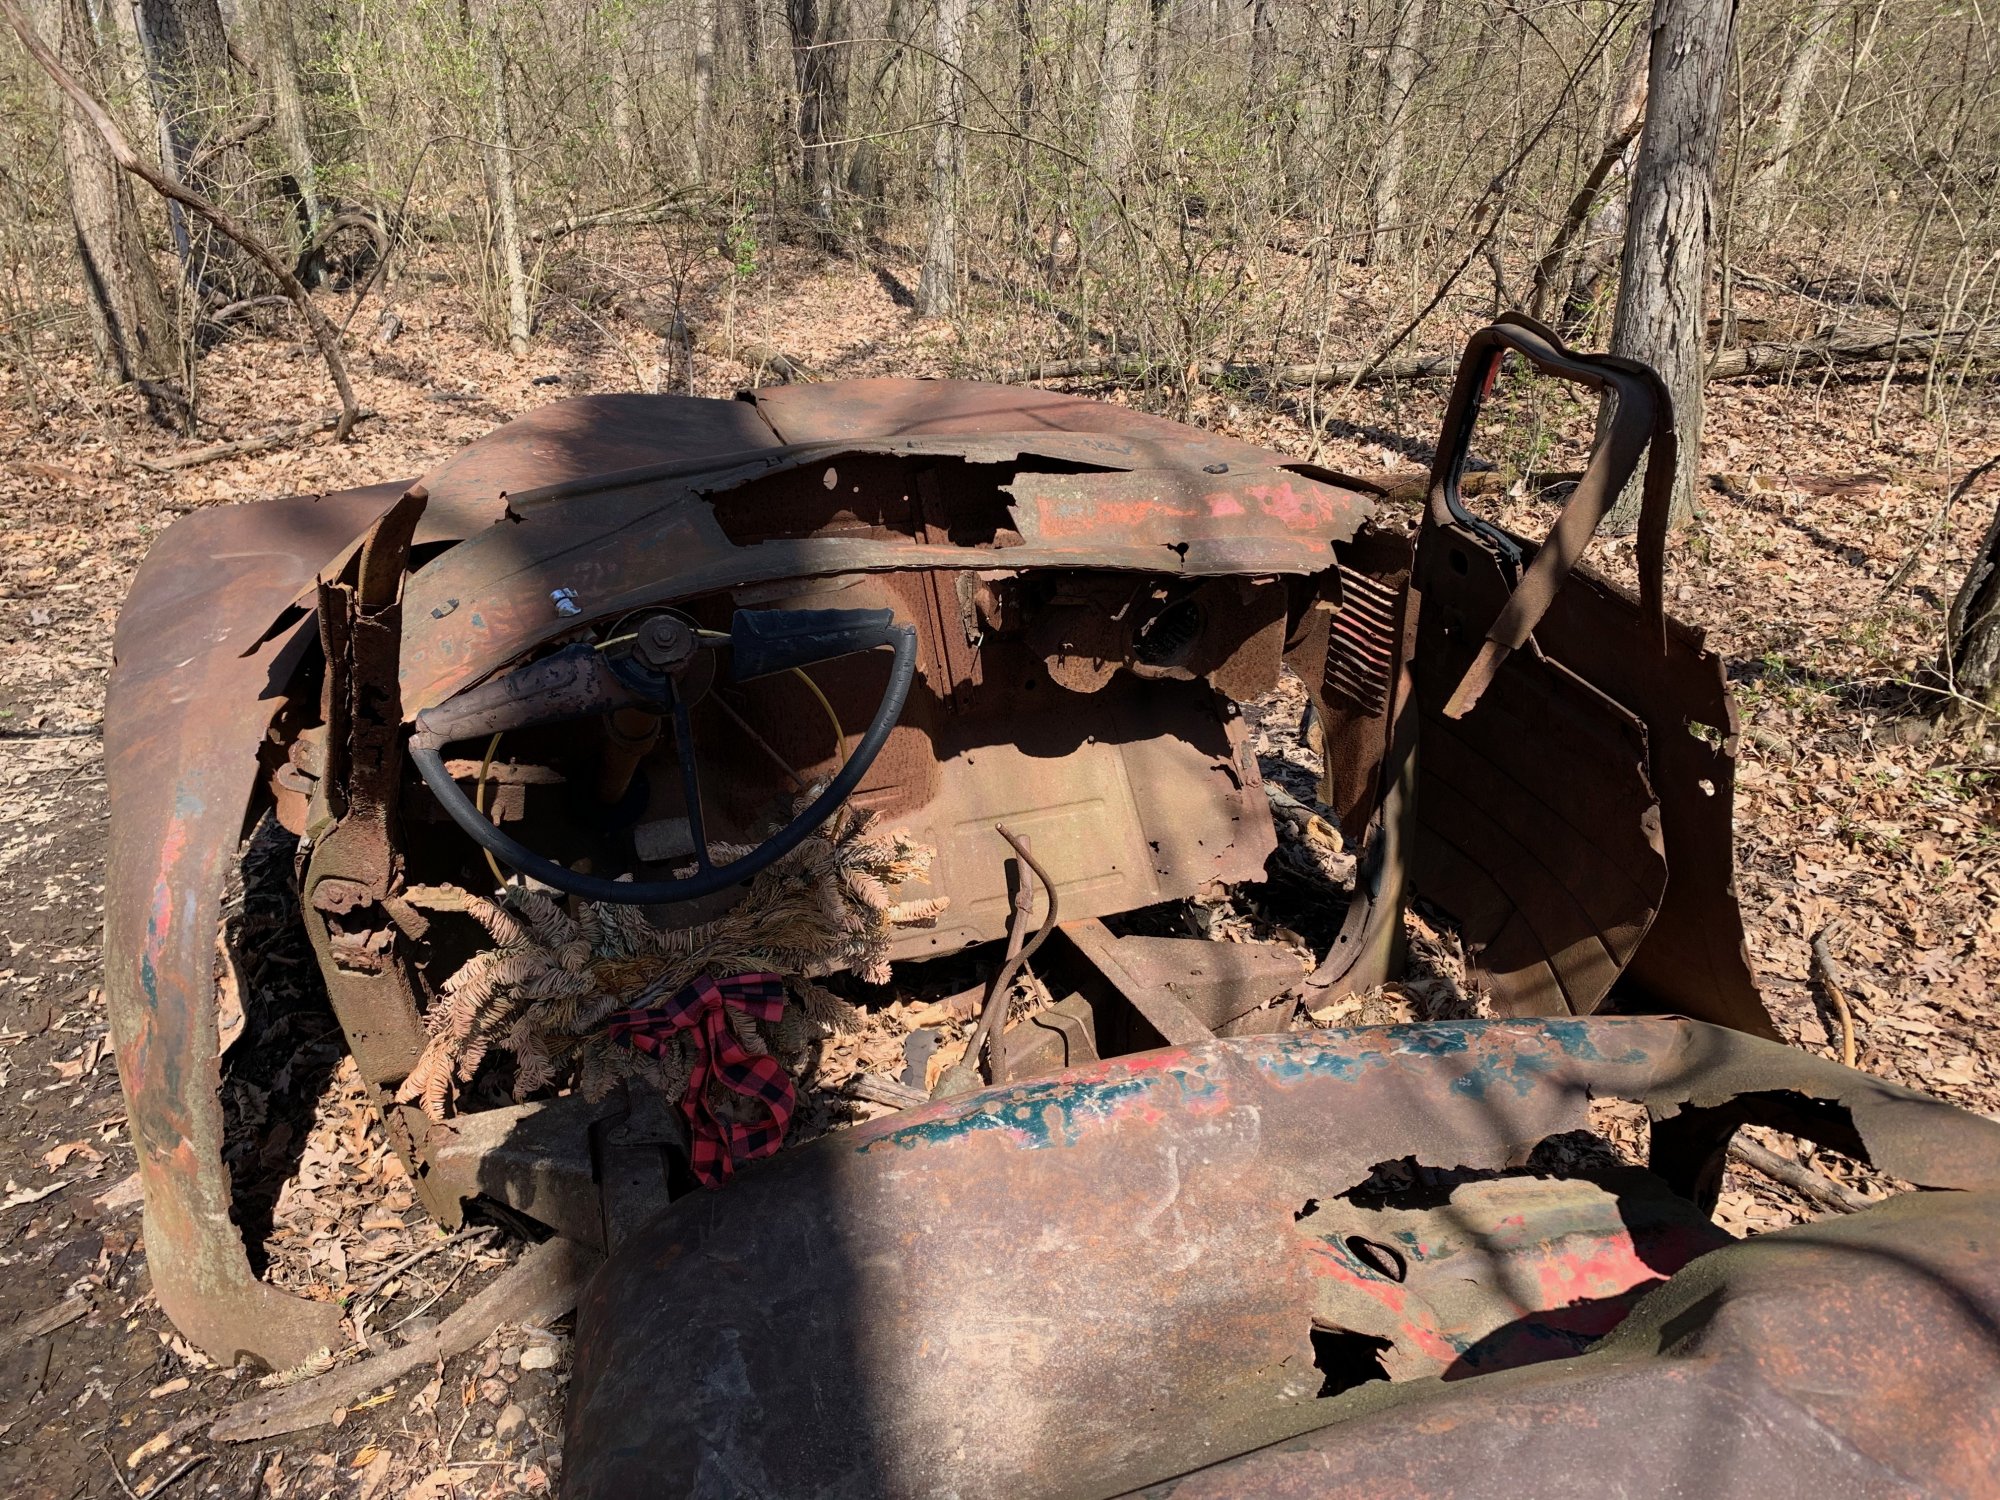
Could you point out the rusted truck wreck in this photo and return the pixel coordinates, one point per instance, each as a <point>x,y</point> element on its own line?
<point>629,754</point>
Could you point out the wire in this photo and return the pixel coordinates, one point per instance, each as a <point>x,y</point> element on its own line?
<point>479,802</point>
<point>839,735</point>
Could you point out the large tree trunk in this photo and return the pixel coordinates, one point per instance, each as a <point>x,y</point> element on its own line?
<point>821,71</point>
<point>129,321</point>
<point>1399,82</point>
<point>278,72</point>
<point>936,291</point>
<point>482,32</point>
<point>1263,59</point>
<point>1761,193</point>
<point>189,57</point>
<point>1665,269</point>
<point>1118,107</point>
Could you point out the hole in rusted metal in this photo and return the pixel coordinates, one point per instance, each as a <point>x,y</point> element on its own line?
<point>1169,637</point>
<point>1347,1359</point>
<point>1310,1206</point>
<point>1384,1260</point>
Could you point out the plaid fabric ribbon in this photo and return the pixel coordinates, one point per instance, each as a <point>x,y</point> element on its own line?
<point>718,1144</point>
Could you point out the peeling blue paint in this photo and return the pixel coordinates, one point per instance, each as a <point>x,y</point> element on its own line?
<point>1518,1058</point>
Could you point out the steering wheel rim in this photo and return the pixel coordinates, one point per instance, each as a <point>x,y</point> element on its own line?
<point>708,878</point>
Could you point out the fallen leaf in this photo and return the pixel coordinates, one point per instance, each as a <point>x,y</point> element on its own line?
<point>375,1473</point>
<point>56,1156</point>
<point>440,1483</point>
<point>79,1066</point>
<point>32,1195</point>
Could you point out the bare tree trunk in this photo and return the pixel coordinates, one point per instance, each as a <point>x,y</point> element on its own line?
<point>129,322</point>
<point>1665,270</point>
<point>1263,58</point>
<point>815,25</point>
<point>623,140</point>
<point>707,33</point>
<point>190,68</point>
<point>936,290</point>
<point>496,154</point>
<point>1024,115</point>
<point>1121,69</point>
<point>1626,116</point>
<point>1769,171</point>
<point>278,69</point>
<point>1399,81</point>
<point>866,182</point>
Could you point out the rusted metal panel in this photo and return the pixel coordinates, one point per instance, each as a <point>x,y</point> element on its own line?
<point>1081,1285</point>
<point>1573,801</point>
<point>839,411</point>
<point>1850,1357</point>
<point>657,540</point>
<point>191,694</point>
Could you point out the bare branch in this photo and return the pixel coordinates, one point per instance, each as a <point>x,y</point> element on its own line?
<point>225,224</point>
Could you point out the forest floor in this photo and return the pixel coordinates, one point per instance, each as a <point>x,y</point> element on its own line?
<point>1852,820</point>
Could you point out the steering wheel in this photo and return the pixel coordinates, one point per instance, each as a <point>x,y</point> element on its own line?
<point>592,678</point>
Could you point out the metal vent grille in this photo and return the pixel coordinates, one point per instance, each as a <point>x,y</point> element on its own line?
<point>1361,646</point>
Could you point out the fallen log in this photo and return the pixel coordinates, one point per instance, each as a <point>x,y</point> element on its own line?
<point>1813,356</point>
<point>1415,367</point>
<point>1774,358</point>
<point>240,446</point>
<point>1801,1179</point>
<point>673,206</point>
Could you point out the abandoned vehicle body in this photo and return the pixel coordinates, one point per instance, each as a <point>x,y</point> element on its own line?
<point>621,772</point>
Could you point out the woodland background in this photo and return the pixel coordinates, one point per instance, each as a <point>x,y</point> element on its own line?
<point>1279,218</point>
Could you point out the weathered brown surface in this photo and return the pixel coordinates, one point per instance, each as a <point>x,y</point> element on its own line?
<point>188,705</point>
<point>653,537</point>
<point>1851,1357</point>
<point>1083,1284</point>
<point>1575,748</point>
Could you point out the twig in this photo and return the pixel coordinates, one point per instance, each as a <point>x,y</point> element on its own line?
<point>224,223</point>
<point>279,439</point>
<point>1828,974</point>
<point>465,1238</point>
<point>185,1467</point>
<point>1936,529</point>
<point>115,1474</point>
<point>1822,1189</point>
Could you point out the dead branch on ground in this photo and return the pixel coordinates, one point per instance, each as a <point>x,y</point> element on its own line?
<point>283,437</point>
<point>1801,1179</point>
<point>673,206</point>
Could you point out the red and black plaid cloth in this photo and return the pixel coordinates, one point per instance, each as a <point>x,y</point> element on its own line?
<point>718,1144</point>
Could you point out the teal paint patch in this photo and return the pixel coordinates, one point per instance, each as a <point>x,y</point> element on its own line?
<point>1061,1112</point>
